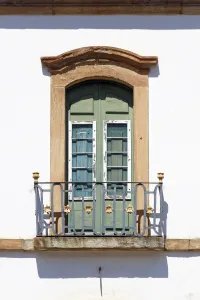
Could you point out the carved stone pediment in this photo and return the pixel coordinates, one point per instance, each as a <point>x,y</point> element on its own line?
<point>98,56</point>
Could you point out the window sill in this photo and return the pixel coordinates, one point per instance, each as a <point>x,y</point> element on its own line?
<point>83,244</point>
<point>98,243</point>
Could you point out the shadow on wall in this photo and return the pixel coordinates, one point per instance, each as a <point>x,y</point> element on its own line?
<point>101,22</point>
<point>45,72</point>
<point>113,264</point>
<point>155,71</point>
<point>121,264</point>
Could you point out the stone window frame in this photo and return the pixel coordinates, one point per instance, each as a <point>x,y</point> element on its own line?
<point>103,63</point>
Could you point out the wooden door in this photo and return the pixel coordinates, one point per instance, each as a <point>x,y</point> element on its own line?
<point>99,149</point>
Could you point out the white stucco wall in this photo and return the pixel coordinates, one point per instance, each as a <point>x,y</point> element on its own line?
<point>72,276</point>
<point>174,110</point>
<point>174,106</point>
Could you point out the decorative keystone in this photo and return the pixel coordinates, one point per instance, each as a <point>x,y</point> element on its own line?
<point>36,176</point>
<point>160,177</point>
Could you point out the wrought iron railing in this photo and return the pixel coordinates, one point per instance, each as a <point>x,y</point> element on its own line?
<point>99,208</point>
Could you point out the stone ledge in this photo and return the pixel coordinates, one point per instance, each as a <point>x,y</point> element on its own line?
<point>82,244</point>
<point>11,244</point>
<point>182,245</point>
<point>100,244</point>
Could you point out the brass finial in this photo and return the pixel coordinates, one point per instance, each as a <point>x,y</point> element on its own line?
<point>160,177</point>
<point>36,176</point>
<point>150,210</point>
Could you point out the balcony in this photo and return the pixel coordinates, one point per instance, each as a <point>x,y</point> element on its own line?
<point>99,209</point>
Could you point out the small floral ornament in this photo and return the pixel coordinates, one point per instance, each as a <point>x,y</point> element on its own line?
<point>67,209</point>
<point>88,209</point>
<point>150,210</point>
<point>47,209</point>
<point>129,209</point>
<point>108,209</point>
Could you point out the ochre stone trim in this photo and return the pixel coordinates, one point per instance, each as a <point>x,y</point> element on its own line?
<point>100,7</point>
<point>100,244</point>
<point>101,55</point>
<point>16,244</point>
<point>59,83</point>
<point>182,245</point>
<point>11,244</point>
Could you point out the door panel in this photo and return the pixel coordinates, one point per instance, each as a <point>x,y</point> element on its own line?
<point>84,106</point>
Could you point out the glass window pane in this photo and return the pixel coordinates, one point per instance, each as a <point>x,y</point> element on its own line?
<point>82,189</point>
<point>81,131</point>
<point>117,159</point>
<point>81,146</point>
<point>116,130</point>
<point>124,146</point>
<point>117,174</point>
<point>82,161</point>
<point>121,189</point>
<point>82,158</point>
